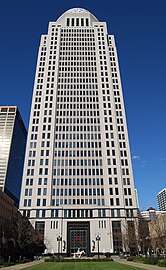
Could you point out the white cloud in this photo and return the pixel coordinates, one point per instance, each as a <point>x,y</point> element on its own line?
<point>143,162</point>
<point>136,157</point>
<point>162,159</point>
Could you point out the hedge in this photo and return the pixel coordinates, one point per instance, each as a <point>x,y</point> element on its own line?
<point>78,260</point>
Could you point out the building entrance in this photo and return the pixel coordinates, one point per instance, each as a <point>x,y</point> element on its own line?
<point>78,237</point>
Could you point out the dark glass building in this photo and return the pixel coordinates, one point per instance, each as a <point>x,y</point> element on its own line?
<point>12,150</point>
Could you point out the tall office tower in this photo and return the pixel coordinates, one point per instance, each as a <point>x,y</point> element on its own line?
<point>78,183</point>
<point>161,200</point>
<point>12,150</point>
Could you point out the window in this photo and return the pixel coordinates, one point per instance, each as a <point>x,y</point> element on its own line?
<point>39,181</point>
<point>77,21</point>
<point>111,191</point>
<point>38,202</point>
<point>25,202</point>
<point>37,213</point>
<point>126,202</point>
<point>44,191</point>
<point>87,22</point>
<point>82,22</point>
<point>44,202</point>
<point>43,213</point>
<point>109,170</point>
<point>117,201</point>
<point>116,181</point>
<point>68,22</point>
<point>40,171</point>
<point>110,181</point>
<point>111,202</point>
<point>45,181</point>
<point>130,202</point>
<point>129,191</point>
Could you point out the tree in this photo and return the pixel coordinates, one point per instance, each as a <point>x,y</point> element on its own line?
<point>143,236</point>
<point>25,238</point>
<point>130,236</point>
<point>135,236</point>
<point>157,228</point>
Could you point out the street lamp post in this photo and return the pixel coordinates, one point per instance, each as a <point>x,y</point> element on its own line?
<point>98,238</point>
<point>64,245</point>
<point>59,239</point>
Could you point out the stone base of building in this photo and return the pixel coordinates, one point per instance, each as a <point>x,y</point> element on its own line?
<point>94,236</point>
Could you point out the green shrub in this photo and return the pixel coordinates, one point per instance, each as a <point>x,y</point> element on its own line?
<point>139,259</point>
<point>8,264</point>
<point>47,260</point>
<point>130,259</point>
<point>151,260</point>
<point>162,264</point>
<point>79,260</point>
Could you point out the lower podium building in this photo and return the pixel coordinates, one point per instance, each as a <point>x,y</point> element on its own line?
<point>78,187</point>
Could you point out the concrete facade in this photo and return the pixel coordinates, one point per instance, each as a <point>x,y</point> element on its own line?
<point>78,181</point>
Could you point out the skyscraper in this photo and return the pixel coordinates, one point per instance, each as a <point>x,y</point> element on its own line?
<point>78,183</point>
<point>12,150</point>
<point>161,200</point>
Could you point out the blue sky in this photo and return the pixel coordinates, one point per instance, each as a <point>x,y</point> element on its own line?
<point>140,31</point>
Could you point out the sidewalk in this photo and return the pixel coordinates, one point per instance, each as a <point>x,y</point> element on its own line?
<point>140,265</point>
<point>22,266</point>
